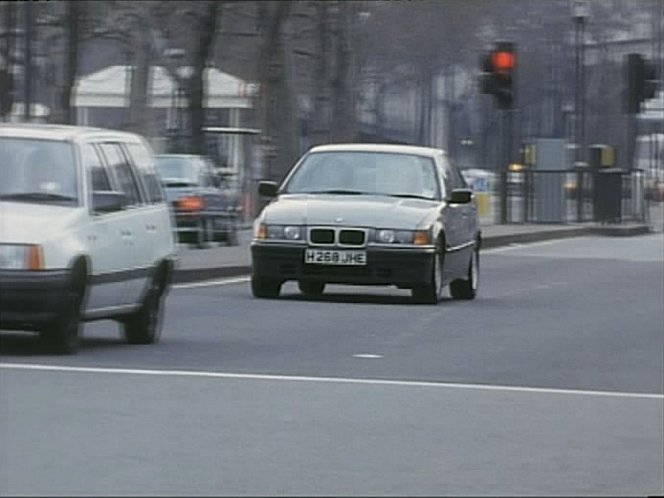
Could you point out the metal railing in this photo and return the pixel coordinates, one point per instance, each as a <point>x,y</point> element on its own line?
<point>553,196</point>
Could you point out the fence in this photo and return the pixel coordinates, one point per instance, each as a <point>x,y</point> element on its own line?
<point>553,196</point>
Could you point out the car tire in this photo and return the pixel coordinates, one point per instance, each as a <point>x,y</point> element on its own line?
<point>265,287</point>
<point>467,288</point>
<point>431,292</point>
<point>63,335</point>
<point>144,326</point>
<point>312,289</point>
<point>231,236</point>
<point>201,234</point>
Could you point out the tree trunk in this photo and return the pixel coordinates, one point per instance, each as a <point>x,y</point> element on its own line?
<point>71,65</point>
<point>196,88</point>
<point>139,117</point>
<point>276,105</point>
<point>343,121</point>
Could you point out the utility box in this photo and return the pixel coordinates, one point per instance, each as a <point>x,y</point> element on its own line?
<point>607,199</point>
<point>549,174</point>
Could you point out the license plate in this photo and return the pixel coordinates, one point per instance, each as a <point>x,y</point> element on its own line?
<point>328,257</point>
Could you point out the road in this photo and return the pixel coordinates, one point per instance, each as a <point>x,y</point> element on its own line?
<point>551,382</point>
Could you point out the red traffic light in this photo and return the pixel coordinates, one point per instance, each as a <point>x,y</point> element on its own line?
<point>502,61</point>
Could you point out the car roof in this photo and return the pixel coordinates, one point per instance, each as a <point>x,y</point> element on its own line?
<point>385,148</point>
<point>60,132</point>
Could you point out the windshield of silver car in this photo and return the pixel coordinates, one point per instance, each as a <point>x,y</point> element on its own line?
<point>374,173</point>
<point>38,171</point>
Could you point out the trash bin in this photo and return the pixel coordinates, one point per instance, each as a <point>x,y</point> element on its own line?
<point>607,199</point>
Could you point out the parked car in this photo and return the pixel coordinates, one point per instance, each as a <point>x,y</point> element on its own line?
<point>204,211</point>
<point>368,214</point>
<point>85,233</point>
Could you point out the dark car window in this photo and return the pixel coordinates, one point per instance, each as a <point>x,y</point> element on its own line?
<point>95,167</point>
<point>122,172</point>
<point>38,171</point>
<point>177,171</point>
<point>376,173</point>
<point>144,163</point>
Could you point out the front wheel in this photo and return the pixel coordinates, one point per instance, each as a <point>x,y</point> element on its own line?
<point>467,288</point>
<point>312,289</point>
<point>63,335</point>
<point>144,326</point>
<point>431,292</point>
<point>265,287</point>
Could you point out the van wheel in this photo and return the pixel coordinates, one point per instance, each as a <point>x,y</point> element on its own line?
<point>144,326</point>
<point>467,288</point>
<point>63,335</point>
<point>265,287</point>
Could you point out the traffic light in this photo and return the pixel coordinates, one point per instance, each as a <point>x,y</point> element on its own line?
<point>498,74</point>
<point>641,82</point>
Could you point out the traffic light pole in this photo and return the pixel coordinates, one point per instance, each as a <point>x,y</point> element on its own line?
<point>506,154</point>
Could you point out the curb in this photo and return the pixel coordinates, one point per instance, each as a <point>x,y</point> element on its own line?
<point>181,276</point>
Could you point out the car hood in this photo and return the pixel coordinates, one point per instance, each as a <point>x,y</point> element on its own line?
<point>27,223</point>
<point>356,210</point>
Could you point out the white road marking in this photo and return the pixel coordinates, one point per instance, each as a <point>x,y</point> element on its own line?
<point>519,245</point>
<point>211,283</point>
<point>335,380</point>
<point>368,356</point>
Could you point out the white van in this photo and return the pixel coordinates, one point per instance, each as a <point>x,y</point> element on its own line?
<point>85,233</point>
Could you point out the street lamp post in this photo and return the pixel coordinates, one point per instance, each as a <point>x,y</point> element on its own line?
<point>580,10</point>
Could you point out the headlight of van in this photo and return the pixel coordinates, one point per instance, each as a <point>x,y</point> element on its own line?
<point>21,257</point>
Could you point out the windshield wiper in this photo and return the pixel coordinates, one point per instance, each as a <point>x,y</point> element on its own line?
<point>337,191</point>
<point>413,196</point>
<point>37,196</point>
<point>179,183</point>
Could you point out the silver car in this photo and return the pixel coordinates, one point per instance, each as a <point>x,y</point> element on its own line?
<point>368,214</point>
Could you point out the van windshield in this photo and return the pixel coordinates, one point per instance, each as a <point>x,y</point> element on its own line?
<point>38,171</point>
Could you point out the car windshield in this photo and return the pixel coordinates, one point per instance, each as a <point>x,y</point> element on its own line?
<point>38,171</point>
<point>177,170</point>
<point>378,173</point>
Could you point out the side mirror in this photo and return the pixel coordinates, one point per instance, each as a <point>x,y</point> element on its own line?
<point>460,196</point>
<point>267,189</point>
<point>108,201</point>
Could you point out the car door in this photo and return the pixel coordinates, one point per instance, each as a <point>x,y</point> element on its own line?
<point>454,219</point>
<point>106,238</point>
<point>156,232</point>
<point>132,217</point>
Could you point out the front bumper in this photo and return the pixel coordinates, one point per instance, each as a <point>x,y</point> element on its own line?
<point>31,299</point>
<point>404,267</point>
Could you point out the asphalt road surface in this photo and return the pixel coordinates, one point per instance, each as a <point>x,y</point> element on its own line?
<point>551,382</point>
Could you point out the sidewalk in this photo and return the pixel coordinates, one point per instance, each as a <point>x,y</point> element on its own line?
<point>219,261</point>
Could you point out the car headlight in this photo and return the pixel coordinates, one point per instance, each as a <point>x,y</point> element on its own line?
<point>278,232</point>
<point>21,257</point>
<point>416,237</point>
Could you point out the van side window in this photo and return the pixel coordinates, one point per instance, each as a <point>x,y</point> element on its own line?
<point>144,163</point>
<point>95,167</point>
<point>121,170</point>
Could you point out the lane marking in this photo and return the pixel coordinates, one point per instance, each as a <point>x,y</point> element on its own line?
<point>522,245</point>
<point>211,283</point>
<point>368,356</point>
<point>333,380</point>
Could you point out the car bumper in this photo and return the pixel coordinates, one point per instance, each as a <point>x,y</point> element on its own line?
<point>385,266</point>
<point>31,299</point>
